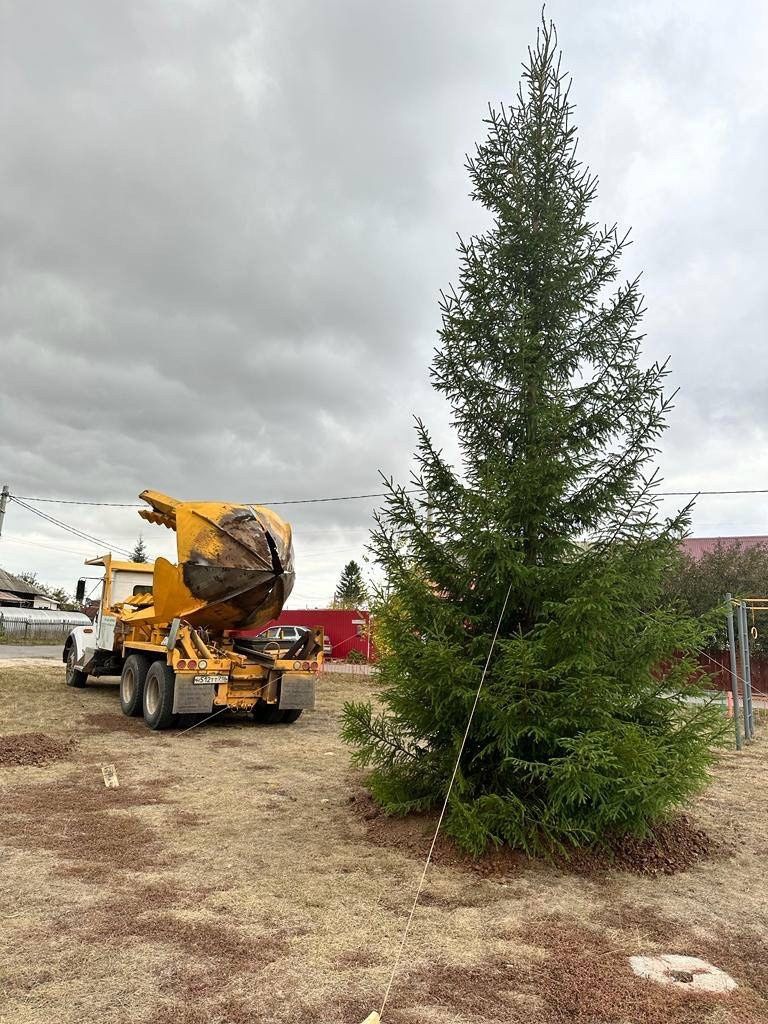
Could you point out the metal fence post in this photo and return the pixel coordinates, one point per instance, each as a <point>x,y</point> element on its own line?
<point>742,667</point>
<point>745,674</point>
<point>734,675</point>
<point>748,677</point>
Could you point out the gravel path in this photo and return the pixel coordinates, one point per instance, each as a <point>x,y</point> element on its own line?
<point>12,652</point>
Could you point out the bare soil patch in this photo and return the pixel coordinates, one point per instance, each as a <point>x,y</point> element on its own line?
<point>33,748</point>
<point>232,880</point>
<point>100,722</point>
<point>84,825</point>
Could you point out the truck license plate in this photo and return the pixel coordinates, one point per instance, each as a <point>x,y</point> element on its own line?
<point>209,679</point>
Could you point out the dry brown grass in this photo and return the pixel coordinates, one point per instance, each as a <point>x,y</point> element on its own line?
<point>230,880</point>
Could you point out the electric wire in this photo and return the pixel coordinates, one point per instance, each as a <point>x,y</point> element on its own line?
<point>82,552</point>
<point>23,500</point>
<point>69,528</point>
<point>357,497</point>
<point>72,501</point>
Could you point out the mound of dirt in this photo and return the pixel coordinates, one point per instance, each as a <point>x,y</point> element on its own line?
<point>671,847</point>
<point>32,748</point>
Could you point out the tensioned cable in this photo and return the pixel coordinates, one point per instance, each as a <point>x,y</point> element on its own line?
<point>72,501</point>
<point>358,497</point>
<point>445,807</point>
<point>203,721</point>
<point>68,527</point>
<point>287,501</point>
<point>75,531</point>
<point>398,957</point>
<point>215,713</point>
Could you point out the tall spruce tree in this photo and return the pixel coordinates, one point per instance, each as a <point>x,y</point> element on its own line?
<point>583,729</point>
<point>351,591</point>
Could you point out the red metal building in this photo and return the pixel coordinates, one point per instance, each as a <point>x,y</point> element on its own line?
<point>346,628</point>
<point>697,547</point>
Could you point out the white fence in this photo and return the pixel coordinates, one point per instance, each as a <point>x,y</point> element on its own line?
<point>18,625</point>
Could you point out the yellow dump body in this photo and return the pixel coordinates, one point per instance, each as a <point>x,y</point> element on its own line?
<point>235,565</point>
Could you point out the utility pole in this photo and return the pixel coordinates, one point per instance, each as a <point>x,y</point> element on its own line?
<point>4,495</point>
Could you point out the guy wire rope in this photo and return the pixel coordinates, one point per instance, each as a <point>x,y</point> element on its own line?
<point>445,807</point>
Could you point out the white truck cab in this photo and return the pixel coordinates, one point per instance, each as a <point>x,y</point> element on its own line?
<point>89,650</point>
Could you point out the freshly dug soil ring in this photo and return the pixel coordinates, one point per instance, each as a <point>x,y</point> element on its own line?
<point>671,847</point>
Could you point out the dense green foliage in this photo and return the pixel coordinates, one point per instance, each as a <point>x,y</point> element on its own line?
<point>578,734</point>
<point>351,591</point>
<point>697,587</point>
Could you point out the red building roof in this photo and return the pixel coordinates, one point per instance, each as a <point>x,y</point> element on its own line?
<point>697,547</point>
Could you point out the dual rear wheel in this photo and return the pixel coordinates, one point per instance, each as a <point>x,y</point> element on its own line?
<point>146,687</point>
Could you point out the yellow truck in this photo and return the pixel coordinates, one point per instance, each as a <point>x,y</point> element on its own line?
<point>169,630</point>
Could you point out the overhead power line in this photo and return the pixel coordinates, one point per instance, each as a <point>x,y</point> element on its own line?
<point>355,497</point>
<point>22,501</point>
<point>696,494</point>
<point>72,501</point>
<point>69,528</point>
<point>286,501</point>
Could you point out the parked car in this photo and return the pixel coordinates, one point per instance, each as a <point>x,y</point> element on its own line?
<point>284,637</point>
<point>278,638</point>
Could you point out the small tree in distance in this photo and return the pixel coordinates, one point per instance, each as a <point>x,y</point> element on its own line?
<point>30,577</point>
<point>351,591</point>
<point>139,553</point>
<point>579,734</point>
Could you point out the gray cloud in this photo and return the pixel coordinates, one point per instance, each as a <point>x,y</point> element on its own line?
<point>225,227</point>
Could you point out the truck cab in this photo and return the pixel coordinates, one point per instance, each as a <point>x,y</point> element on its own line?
<point>92,650</point>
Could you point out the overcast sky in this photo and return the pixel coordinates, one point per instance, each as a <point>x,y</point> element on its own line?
<point>224,226</point>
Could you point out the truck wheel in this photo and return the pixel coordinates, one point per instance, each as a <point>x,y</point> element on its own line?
<point>158,696</point>
<point>291,714</point>
<point>267,714</point>
<point>74,677</point>
<point>132,683</point>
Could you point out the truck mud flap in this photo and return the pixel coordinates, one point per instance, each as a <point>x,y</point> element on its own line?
<point>297,690</point>
<point>192,698</point>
